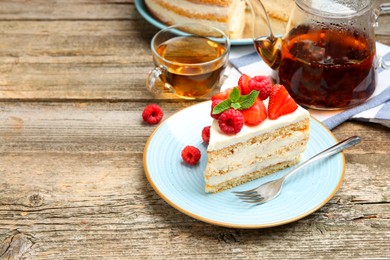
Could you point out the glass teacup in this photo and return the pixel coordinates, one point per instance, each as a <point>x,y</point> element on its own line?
<point>189,59</point>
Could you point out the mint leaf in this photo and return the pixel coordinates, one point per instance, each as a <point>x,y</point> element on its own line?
<point>224,105</point>
<point>236,101</point>
<point>234,95</point>
<point>236,105</point>
<point>248,100</point>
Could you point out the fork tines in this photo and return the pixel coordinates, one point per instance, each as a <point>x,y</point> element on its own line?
<point>250,197</point>
<point>252,191</point>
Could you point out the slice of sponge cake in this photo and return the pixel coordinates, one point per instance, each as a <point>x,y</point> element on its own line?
<point>226,15</point>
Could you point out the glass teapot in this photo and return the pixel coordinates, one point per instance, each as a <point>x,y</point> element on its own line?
<point>327,57</point>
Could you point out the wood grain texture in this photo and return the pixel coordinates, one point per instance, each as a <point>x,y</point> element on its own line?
<point>72,183</point>
<point>86,57</point>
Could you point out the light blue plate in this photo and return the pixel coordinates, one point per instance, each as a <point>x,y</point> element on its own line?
<point>144,12</point>
<point>182,186</point>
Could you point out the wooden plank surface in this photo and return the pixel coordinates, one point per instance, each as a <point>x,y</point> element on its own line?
<point>72,183</point>
<point>52,52</point>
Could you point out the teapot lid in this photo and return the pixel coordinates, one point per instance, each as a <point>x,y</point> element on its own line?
<point>335,8</point>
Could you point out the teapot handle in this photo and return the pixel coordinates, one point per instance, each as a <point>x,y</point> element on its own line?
<point>258,10</point>
<point>267,46</point>
<point>383,9</point>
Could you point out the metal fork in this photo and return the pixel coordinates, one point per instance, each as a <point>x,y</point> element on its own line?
<point>271,189</point>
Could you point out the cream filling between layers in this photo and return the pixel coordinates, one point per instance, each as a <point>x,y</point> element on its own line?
<point>219,140</point>
<point>290,156</point>
<point>248,154</point>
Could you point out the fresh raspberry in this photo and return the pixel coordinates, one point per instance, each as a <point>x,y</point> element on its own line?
<point>213,104</point>
<point>190,154</point>
<point>152,114</point>
<point>243,84</point>
<point>231,121</point>
<point>206,134</point>
<point>262,84</point>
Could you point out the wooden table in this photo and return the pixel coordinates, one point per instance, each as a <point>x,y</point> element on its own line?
<point>72,182</point>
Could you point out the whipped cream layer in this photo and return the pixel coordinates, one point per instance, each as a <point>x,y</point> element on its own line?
<point>219,140</point>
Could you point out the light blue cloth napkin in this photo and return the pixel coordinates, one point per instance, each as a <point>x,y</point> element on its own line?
<point>377,109</point>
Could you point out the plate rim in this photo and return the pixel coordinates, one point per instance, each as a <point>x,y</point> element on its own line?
<point>142,10</point>
<point>228,224</point>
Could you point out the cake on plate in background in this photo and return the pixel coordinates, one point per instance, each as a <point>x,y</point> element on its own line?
<point>226,15</point>
<point>233,17</point>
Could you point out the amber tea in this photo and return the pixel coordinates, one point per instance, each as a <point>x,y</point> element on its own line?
<point>327,67</point>
<point>190,63</point>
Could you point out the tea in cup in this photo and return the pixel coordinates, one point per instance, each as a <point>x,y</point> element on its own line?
<point>189,59</point>
<point>327,58</point>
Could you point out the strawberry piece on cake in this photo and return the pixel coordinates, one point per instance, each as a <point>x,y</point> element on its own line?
<point>280,102</point>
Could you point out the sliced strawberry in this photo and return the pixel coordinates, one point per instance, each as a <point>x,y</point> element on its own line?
<point>255,114</point>
<point>243,84</point>
<point>280,102</point>
<point>223,94</point>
